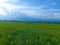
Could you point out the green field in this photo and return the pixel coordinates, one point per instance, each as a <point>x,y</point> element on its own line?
<point>29,33</point>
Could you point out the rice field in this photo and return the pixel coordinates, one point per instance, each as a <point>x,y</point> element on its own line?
<point>29,33</point>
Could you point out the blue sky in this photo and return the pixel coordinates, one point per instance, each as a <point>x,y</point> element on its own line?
<point>29,9</point>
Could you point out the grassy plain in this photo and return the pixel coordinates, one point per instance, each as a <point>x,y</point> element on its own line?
<point>29,33</point>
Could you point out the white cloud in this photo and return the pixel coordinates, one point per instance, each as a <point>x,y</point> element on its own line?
<point>41,13</point>
<point>31,11</point>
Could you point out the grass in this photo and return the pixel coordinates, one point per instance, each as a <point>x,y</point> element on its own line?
<point>29,33</point>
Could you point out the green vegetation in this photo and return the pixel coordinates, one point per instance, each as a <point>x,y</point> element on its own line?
<point>29,33</point>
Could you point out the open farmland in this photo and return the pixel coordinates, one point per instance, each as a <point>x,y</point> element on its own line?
<point>29,33</point>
